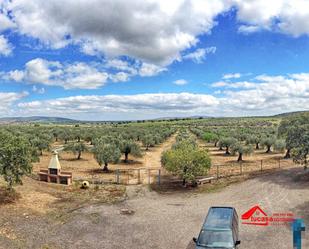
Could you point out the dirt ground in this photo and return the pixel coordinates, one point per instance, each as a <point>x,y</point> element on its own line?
<point>53,216</point>
<point>228,165</point>
<point>164,220</point>
<point>88,168</point>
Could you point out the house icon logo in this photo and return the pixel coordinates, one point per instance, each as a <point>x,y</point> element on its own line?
<point>255,216</point>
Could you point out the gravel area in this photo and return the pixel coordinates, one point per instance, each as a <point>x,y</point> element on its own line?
<point>171,220</point>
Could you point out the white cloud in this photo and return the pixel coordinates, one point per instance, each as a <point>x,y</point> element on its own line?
<point>35,89</point>
<point>180,82</point>
<point>200,54</point>
<point>152,31</point>
<point>248,29</point>
<point>287,16</point>
<point>147,69</point>
<point>122,65</point>
<point>5,22</point>
<point>235,85</point>
<point>53,73</point>
<point>231,76</point>
<point>16,75</point>
<point>274,94</point>
<point>7,100</point>
<point>219,84</point>
<point>125,106</point>
<point>120,77</point>
<point>5,47</point>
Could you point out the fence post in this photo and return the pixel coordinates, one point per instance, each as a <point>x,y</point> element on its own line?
<point>159,177</point>
<point>261,165</point>
<point>138,176</point>
<point>240,164</point>
<point>217,172</point>
<point>117,176</point>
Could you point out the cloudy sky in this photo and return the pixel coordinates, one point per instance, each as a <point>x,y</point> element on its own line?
<point>139,59</point>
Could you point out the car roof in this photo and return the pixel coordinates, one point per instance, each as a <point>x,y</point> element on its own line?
<point>219,218</point>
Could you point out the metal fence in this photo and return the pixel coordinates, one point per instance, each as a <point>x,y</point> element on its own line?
<point>241,168</point>
<point>159,175</point>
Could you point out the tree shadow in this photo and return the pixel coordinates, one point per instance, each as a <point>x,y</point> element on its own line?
<point>292,178</point>
<point>302,211</point>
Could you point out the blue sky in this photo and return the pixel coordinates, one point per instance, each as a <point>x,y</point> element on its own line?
<point>149,59</point>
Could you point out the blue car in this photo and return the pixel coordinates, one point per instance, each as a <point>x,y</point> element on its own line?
<point>220,229</point>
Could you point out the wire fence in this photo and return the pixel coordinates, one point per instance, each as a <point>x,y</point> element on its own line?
<point>241,168</point>
<point>158,175</point>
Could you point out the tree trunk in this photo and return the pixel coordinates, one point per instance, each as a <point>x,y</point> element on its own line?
<point>216,143</point>
<point>56,139</point>
<point>105,169</point>
<point>184,179</point>
<point>227,151</point>
<point>183,182</point>
<point>126,157</point>
<point>287,154</point>
<point>147,147</point>
<point>79,155</point>
<point>65,141</point>
<point>257,146</point>
<point>78,139</point>
<point>41,152</point>
<point>239,157</point>
<point>268,149</point>
<point>220,148</point>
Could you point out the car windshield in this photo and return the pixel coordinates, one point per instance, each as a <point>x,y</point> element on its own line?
<point>216,239</point>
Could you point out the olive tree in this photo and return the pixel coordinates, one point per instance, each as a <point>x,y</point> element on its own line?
<point>300,150</point>
<point>40,143</point>
<point>279,145</point>
<point>254,139</point>
<point>129,147</point>
<point>15,159</point>
<point>268,142</point>
<point>210,137</point>
<point>106,153</point>
<point>187,161</point>
<point>241,149</point>
<point>148,140</point>
<point>227,142</point>
<point>76,148</point>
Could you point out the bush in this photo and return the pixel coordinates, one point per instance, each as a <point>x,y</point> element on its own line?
<point>186,161</point>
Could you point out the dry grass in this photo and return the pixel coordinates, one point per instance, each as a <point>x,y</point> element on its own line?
<point>228,165</point>
<point>88,168</point>
<point>8,196</point>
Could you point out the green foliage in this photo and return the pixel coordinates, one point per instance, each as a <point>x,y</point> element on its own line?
<point>268,142</point>
<point>279,145</point>
<point>106,153</point>
<point>129,147</point>
<point>40,143</point>
<point>15,159</point>
<point>210,137</point>
<point>227,142</point>
<point>254,139</point>
<point>241,149</point>
<point>148,140</point>
<point>186,161</point>
<point>300,149</point>
<point>77,148</point>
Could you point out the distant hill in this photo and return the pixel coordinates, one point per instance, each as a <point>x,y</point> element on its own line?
<point>37,119</point>
<point>288,114</point>
<point>43,119</point>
